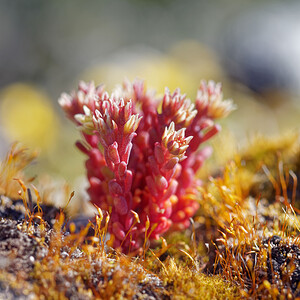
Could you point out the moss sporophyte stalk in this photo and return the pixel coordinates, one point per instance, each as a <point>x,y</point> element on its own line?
<point>143,154</point>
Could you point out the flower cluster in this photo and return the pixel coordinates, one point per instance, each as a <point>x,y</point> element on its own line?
<point>143,154</point>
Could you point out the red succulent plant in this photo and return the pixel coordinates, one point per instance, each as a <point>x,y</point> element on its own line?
<point>143,154</point>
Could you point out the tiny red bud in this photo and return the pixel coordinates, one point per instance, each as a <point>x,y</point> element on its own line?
<point>96,157</point>
<point>129,221</point>
<point>178,216</point>
<point>113,153</point>
<point>128,110</point>
<point>163,225</point>
<point>153,165</point>
<point>187,176</point>
<point>82,147</point>
<point>171,163</point>
<point>118,230</point>
<point>159,154</point>
<point>95,184</point>
<point>161,182</point>
<point>125,156</point>
<point>122,168</point>
<point>133,243</point>
<point>115,188</point>
<point>120,204</point>
<point>151,185</point>
<point>171,189</point>
<point>210,133</point>
<point>128,181</point>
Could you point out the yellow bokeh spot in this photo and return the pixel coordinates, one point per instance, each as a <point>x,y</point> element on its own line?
<point>158,72</point>
<point>184,66</point>
<point>28,116</point>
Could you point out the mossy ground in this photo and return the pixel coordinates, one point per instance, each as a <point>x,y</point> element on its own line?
<point>243,242</point>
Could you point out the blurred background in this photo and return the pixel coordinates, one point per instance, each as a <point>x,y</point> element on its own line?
<point>46,47</point>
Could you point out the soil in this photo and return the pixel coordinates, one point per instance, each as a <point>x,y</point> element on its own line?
<point>21,249</point>
<point>284,261</point>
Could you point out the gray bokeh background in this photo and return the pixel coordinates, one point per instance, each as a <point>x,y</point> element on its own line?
<point>253,47</point>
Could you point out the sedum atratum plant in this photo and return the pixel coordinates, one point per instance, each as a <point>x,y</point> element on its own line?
<point>143,154</point>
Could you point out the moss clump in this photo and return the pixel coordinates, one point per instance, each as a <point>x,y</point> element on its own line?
<point>184,282</point>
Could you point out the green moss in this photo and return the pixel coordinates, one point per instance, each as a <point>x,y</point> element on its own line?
<point>188,283</point>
